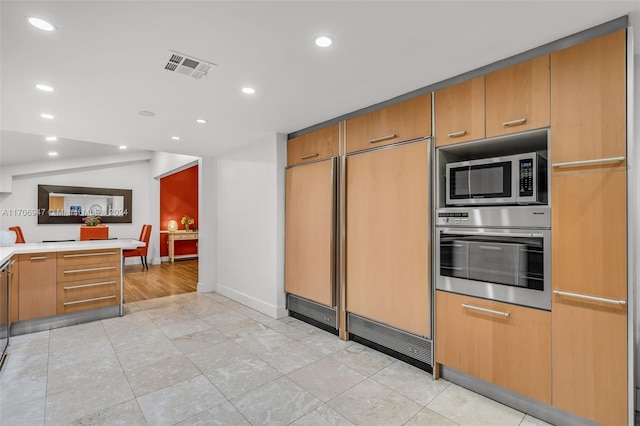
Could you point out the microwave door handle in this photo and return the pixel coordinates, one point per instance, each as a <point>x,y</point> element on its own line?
<point>493,234</point>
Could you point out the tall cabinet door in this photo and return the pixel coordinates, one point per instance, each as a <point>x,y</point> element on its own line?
<point>589,230</point>
<point>387,234</point>
<point>310,231</point>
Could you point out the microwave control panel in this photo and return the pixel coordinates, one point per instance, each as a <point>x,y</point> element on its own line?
<point>526,177</point>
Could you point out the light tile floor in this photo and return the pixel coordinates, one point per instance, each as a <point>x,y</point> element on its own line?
<point>202,359</point>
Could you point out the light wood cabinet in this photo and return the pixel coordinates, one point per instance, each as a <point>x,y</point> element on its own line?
<point>310,231</point>
<point>589,229</point>
<point>511,351</point>
<point>403,121</point>
<point>88,279</point>
<point>588,96</point>
<point>459,112</point>
<point>387,237</point>
<point>313,146</point>
<point>517,97</point>
<point>37,287</point>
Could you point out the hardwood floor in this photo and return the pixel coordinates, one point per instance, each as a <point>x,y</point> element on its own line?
<point>160,280</point>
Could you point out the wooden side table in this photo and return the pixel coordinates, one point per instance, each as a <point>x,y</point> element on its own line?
<point>181,235</point>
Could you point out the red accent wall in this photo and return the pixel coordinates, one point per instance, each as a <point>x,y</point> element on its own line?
<point>179,197</point>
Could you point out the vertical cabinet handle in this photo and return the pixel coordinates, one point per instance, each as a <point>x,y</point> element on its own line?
<point>456,134</point>
<point>514,122</point>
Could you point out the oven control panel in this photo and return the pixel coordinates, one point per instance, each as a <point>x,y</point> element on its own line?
<point>452,218</point>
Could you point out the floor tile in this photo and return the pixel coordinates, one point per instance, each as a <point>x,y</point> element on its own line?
<point>532,421</point>
<point>183,328</point>
<point>77,353</point>
<point>180,401</point>
<point>22,389</point>
<point>170,314</point>
<point>27,414</point>
<point>140,356</point>
<point>242,376</point>
<point>126,414</point>
<point>322,415</point>
<point>290,357</point>
<point>83,375</point>
<point>217,356</point>
<point>161,374</point>
<point>277,403</point>
<point>364,360</point>
<point>326,378</point>
<point>325,343</point>
<point>428,417</point>
<point>261,340</point>
<point>466,407</point>
<point>198,341</point>
<point>222,414</point>
<point>411,382</point>
<point>370,403</point>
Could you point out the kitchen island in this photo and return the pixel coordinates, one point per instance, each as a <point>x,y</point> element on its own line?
<point>64,283</point>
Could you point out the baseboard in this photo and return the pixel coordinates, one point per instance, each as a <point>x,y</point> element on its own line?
<point>206,287</point>
<point>259,305</point>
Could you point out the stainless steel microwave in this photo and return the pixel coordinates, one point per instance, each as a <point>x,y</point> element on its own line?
<point>513,179</point>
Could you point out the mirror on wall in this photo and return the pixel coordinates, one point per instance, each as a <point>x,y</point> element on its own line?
<point>69,204</point>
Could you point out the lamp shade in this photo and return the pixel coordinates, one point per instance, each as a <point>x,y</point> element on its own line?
<point>172,226</point>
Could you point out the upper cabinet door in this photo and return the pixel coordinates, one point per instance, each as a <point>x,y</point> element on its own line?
<point>588,95</point>
<point>517,98</point>
<point>459,112</point>
<point>313,146</point>
<point>398,123</point>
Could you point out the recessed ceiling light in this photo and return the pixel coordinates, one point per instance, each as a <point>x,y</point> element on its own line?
<point>201,121</point>
<point>122,147</point>
<point>51,138</point>
<point>175,138</point>
<point>41,24</point>
<point>44,87</point>
<point>147,113</point>
<point>248,90</point>
<point>53,154</point>
<point>324,41</point>
<point>48,116</point>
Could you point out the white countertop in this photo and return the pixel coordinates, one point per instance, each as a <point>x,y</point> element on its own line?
<point>7,252</point>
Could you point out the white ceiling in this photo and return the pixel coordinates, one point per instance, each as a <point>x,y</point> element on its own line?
<point>106,63</point>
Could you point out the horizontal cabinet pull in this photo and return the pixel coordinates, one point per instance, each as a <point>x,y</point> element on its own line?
<point>71,287</point>
<point>489,311</point>
<point>383,138</point>
<point>304,157</point>
<point>456,134</point>
<point>591,298</point>
<point>76,271</point>
<point>105,253</point>
<point>587,162</point>
<point>95,299</point>
<point>514,122</point>
<point>490,248</point>
<point>38,258</point>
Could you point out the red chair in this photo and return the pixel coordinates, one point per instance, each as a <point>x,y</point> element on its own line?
<point>19,234</point>
<point>145,235</point>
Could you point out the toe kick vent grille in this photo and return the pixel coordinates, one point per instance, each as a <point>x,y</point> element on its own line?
<point>187,65</point>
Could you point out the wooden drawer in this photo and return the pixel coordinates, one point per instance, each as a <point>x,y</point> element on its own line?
<point>313,146</point>
<point>67,273</point>
<point>518,97</point>
<point>88,257</point>
<point>99,299</point>
<point>397,123</point>
<point>459,112</point>
<point>511,351</point>
<point>75,290</point>
<point>185,236</point>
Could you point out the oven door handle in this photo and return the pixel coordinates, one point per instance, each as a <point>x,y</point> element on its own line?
<point>493,234</point>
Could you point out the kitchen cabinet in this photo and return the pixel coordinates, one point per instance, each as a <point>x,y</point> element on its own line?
<point>459,112</point>
<point>310,231</point>
<point>401,122</point>
<point>589,242</point>
<point>313,146</point>
<point>88,279</point>
<point>37,286</point>
<point>517,97</point>
<point>387,236</point>
<point>14,288</point>
<point>503,344</point>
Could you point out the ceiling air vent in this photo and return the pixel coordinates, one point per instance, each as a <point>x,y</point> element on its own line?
<point>187,65</point>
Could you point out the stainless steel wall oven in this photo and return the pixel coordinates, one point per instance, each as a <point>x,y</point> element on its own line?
<point>495,253</point>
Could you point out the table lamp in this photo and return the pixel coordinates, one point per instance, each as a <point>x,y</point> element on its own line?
<point>172,226</point>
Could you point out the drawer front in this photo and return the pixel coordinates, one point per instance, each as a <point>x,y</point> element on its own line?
<point>87,257</point>
<point>67,273</point>
<point>90,301</point>
<point>313,146</point>
<point>190,236</point>
<point>397,123</point>
<point>511,351</point>
<point>82,289</point>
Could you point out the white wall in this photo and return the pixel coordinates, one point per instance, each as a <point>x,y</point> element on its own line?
<point>207,221</point>
<point>131,175</point>
<point>251,225</point>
